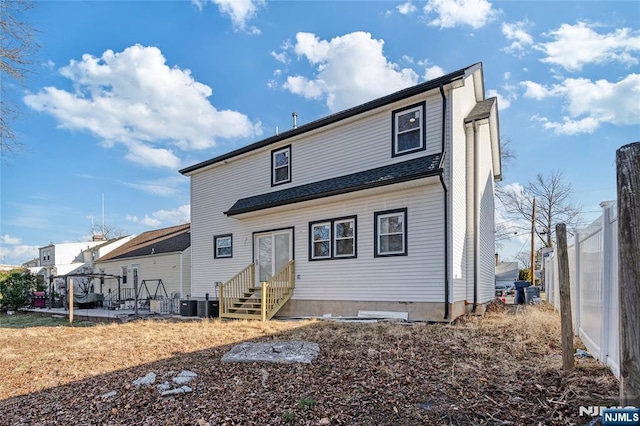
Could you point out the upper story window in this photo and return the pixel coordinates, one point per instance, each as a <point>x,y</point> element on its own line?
<point>390,233</point>
<point>408,130</point>
<point>222,246</point>
<point>281,166</point>
<point>332,239</point>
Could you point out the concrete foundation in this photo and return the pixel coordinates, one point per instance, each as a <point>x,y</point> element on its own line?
<point>418,311</point>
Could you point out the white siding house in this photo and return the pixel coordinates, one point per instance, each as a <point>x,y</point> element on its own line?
<point>163,254</point>
<point>386,206</point>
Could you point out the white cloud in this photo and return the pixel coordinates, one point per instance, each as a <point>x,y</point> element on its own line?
<point>503,101</point>
<point>351,69</point>
<point>516,33</point>
<point>18,254</point>
<point>240,12</point>
<point>150,222</point>
<point>11,250</point>
<point>406,8</point>
<point>135,99</point>
<point>165,187</point>
<point>538,91</point>
<point>590,104</point>
<point>433,72</point>
<point>280,57</point>
<point>568,126</point>
<point>574,46</point>
<point>452,13</point>
<point>171,217</point>
<point>8,239</point>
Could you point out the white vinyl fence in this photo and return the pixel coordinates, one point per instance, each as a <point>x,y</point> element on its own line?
<point>593,273</point>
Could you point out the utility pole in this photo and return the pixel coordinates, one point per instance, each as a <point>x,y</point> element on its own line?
<point>533,243</point>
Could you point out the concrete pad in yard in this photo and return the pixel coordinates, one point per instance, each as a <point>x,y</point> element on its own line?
<point>278,352</point>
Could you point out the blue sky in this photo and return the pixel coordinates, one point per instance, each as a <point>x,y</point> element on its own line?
<point>127,93</point>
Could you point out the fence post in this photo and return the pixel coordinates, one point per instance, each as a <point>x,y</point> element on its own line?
<point>578,302</point>
<point>606,282</point>
<point>565,298</point>
<point>628,191</point>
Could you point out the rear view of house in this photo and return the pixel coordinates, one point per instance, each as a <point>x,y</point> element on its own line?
<point>387,206</point>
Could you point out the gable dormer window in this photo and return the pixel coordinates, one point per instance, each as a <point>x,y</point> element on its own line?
<point>281,165</point>
<point>408,129</point>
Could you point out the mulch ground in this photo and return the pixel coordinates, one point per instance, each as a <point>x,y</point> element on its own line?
<point>501,369</point>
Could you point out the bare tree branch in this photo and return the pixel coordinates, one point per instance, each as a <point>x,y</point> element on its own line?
<point>553,204</point>
<point>17,50</point>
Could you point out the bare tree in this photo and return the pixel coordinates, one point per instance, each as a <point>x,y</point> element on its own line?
<point>524,257</point>
<point>17,49</point>
<point>553,204</point>
<point>507,156</point>
<point>107,231</point>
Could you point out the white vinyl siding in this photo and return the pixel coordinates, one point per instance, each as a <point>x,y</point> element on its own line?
<point>416,277</point>
<point>166,267</point>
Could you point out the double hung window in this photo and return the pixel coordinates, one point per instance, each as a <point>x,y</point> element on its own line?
<point>408,130</point>
<point>390,233</point>
<point>222,246</point>
<point>281,166</point>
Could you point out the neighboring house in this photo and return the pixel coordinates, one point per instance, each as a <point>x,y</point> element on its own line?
<point>162,254</point>
<point>386,206</point>
<point>506,273</point>
<point>57,260</point>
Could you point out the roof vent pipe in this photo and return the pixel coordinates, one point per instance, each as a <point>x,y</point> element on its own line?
<point>295,118</point>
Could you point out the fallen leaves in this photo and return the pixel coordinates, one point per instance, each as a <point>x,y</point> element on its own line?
<point>483,371</point>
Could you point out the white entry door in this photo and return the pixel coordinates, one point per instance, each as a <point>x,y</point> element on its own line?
<point>273,250</point>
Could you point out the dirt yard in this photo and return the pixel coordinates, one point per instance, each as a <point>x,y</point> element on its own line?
<point>501,369</point>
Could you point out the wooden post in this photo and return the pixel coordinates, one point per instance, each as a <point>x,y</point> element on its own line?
<point>566,327</point>
<point>628,177</point>
<point>263,305</point>
<point>533,243</point>
<point>70,293</point>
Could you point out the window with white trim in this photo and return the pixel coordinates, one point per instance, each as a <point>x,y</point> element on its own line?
<point>222,246</point>
<point>390,233</point>
<point>281,166</point>
<point>333,238</point>
<point>408,130</point>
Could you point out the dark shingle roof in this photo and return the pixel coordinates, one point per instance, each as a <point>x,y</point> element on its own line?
<point>481,110</point>
<point>395,173</point>
<point>166,240</point>
<point>333,118</point>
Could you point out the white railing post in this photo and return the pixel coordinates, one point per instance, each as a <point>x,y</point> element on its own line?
<point>606,280</point>
<point>578,299</point>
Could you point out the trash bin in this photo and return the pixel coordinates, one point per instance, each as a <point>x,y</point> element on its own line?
<point>519,298</point>
<point>530,293</point>
<point>189,308</point>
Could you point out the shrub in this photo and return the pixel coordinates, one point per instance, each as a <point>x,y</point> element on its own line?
<point>15,289</point>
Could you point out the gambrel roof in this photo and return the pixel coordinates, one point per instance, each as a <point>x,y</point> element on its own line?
<point>160,241</point>
<point>386,175</point>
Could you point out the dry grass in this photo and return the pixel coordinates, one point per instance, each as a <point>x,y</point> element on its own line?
<point>503,368</point>
<point>75,353</point>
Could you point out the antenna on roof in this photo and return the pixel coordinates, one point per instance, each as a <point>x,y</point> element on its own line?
<point>103,214</point>
<point>295,117</point>
<point>277,132</point>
